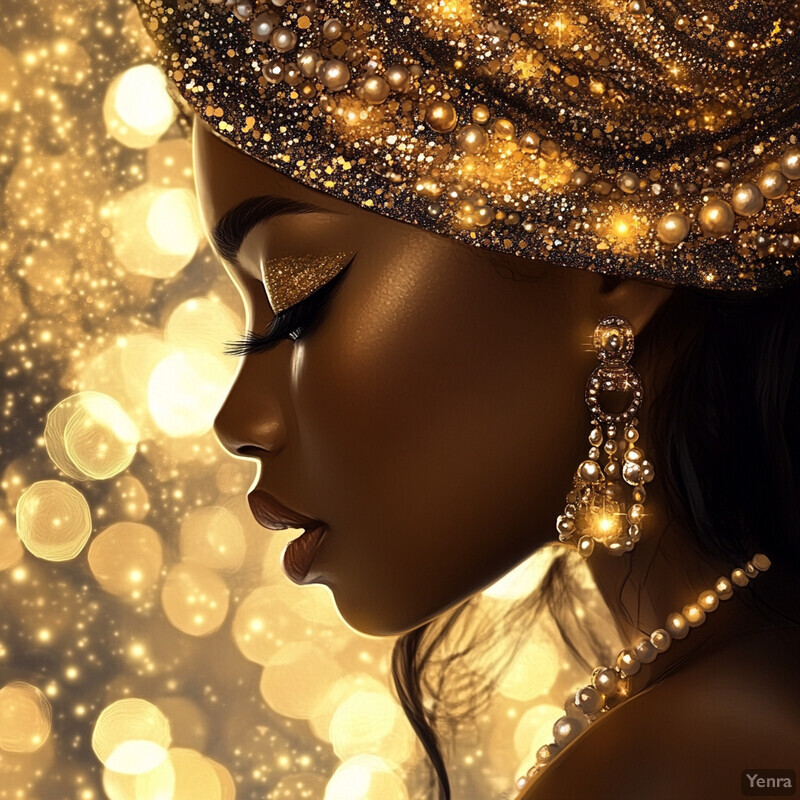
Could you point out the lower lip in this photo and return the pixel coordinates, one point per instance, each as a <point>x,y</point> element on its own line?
<point>299,554</point>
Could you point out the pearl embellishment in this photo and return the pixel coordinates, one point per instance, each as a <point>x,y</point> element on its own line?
<point>610,685</point>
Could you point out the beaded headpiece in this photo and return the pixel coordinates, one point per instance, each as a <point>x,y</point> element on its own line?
<point>650,138</point>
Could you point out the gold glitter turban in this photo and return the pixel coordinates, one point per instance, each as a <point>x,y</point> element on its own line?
<point>652,138</point>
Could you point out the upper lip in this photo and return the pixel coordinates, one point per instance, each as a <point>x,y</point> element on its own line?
<point>272,514</point>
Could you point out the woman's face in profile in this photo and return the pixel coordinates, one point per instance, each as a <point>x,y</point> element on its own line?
<point>431,416</point>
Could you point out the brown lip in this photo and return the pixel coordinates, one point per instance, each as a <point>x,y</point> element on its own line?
<point>299,554</point>
<point>272,514</point>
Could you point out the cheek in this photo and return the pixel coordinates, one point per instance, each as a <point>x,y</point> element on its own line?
<point>430,425</point>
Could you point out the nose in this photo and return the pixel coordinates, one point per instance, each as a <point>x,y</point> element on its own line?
<point>250,421</point>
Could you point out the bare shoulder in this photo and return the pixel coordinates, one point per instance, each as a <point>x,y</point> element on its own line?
<point>692,736</point>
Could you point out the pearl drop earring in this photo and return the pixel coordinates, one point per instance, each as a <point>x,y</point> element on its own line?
<point>597,510</point>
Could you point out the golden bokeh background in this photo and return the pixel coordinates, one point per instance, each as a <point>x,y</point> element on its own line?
<point>151,647</point>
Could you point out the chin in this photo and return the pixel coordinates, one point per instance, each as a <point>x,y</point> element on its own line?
<point>370,621</point>
<point>379,616</point>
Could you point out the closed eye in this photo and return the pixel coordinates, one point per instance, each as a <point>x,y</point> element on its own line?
<point>291,324</point>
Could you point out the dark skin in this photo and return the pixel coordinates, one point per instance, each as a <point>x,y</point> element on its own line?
<point>430,420</point>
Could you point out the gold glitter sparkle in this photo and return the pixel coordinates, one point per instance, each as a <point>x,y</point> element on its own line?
<point>290,280</point>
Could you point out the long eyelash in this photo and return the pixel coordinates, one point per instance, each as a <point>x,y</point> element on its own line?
<point>293,323</point>
<point>282,327</point>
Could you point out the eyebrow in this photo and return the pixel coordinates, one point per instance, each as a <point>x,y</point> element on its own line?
<point>234,225</point>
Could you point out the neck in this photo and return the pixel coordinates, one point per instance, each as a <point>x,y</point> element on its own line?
<point>664,573</point>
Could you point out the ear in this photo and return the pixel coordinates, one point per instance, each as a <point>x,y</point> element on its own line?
<point>636,300</point>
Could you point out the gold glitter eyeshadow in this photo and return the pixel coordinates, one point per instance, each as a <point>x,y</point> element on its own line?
<point>290,280</point>
<point>653,139</point>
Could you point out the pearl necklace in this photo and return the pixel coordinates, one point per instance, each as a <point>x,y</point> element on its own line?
<point>611,685</point>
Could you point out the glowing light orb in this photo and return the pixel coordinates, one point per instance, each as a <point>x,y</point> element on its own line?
<point>195,599</point>
<point>184,774</point>
<point>11,550</point>
<point>126,559</point>
<point>314,603</point>
<point>371,722</point>
<point>349,684</point>
<point>53,520</point>
<point>138,356</point>
<point>121,370</point>
<point>89,436</point>
<point>173,222</point>
<point>259,626</point>
<point>136,755</point>
<point>25,718</point>
<point>157,784</point>
<point>269,617</point>
<point>204,324</point>
<point>296,680</point>
<point>227,785</point>
<point>131,736</point>
<point>57,419</point>
<point>196,777</point>
<point>137,108</point>
<point>365,778</point>
<point>146,245</point>
<point>213,537</point>
<point>185,391</point>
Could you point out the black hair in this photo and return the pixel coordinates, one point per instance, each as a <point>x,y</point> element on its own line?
<point>724,428</point>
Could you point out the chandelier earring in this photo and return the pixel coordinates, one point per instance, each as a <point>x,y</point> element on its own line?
<point>606,504</point>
